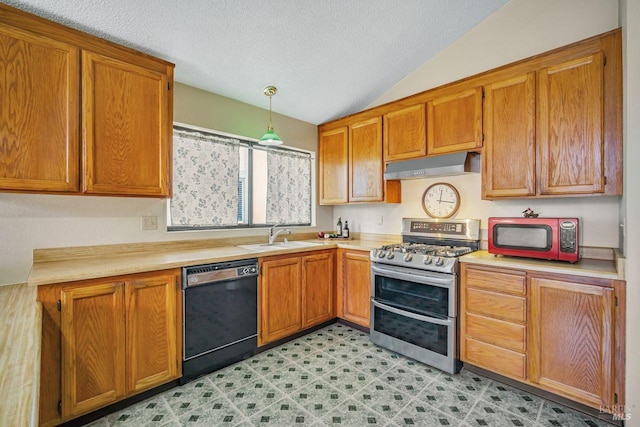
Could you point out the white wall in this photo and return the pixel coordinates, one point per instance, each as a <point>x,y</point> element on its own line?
<point>519,29</point>
<point>630,21</point>
<point>33,221</point>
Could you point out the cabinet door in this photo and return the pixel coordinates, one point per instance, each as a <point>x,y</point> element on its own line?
<point>280,309</point>
<point>572,340</point>
<point>333,166</point>
<point>356,287</point>
<point>125,123</point>
<point>317,289</point>
<point>454,122</point>
<point>509,160</point>
<point>570,127</point>
<point>93,354</point>
<point>405,133</point>
<point>365,161</point>
<point>39,110</point>
<point>151,343</point>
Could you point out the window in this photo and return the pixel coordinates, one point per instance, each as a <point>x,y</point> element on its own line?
<point>231,182</point>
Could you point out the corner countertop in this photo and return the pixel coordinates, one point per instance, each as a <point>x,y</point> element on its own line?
<point>598,268</point>
<point>106,264</point>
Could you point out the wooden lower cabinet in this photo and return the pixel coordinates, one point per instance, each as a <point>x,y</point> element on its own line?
<point>107,339</point>
<point>354,286</point>
<point>560,333</point>
<point>295,292</point>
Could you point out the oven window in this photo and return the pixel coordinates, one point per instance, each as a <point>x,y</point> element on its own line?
<point>529,237</point>
<point>423,334</point>
<point>415,297</point>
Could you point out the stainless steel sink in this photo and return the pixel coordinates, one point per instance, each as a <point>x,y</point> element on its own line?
<point>279,245</point>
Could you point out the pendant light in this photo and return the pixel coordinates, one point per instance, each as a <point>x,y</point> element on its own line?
<point>270,138</point>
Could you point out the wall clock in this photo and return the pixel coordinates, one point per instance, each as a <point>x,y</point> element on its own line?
<point>441,200</point>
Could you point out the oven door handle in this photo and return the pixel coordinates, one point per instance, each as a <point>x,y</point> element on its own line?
<point>411,315</point>
<point>420,278</point>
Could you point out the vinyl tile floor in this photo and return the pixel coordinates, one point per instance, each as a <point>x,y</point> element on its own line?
<point>336,377</point>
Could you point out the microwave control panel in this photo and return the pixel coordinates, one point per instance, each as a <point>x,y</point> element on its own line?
<point>568,231</point>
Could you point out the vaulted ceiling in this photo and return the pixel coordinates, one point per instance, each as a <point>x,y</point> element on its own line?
<point>328,58</point>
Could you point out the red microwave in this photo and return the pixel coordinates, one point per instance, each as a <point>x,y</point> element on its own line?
<point>547,238</point>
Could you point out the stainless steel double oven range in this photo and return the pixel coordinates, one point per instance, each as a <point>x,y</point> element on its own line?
<point>414,290</point>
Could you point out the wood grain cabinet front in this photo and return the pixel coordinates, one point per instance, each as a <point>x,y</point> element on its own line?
<point>405,133</point>
<point>566,338</point>
<point>295,293</point>
<point>100,125</point>
<point>105,340</point>
<point>354,286</point>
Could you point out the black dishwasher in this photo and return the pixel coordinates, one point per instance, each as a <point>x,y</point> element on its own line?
<point>220,315</point>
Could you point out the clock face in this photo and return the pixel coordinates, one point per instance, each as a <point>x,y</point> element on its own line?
<point>441,200</point>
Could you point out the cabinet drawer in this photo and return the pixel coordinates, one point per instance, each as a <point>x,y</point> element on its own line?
<point>500,306</point>
<point>496,359</point>
<point>497,332</point>
<point>512,283</point>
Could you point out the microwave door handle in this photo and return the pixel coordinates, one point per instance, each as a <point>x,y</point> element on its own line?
<point>424,279</point>
<point>411,315</point>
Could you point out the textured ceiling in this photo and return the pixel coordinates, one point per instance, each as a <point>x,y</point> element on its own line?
<point>328,58</point>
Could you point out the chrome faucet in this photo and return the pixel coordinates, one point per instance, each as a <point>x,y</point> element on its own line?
<point>272,235</point>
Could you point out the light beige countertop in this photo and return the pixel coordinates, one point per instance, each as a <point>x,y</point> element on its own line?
<point>119,261</point>
<point>598,268</point>
<point>20,329</point>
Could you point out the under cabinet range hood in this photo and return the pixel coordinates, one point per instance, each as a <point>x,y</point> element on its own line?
<point>427,167</point>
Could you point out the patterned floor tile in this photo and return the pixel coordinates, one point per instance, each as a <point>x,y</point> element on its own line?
<point>383,398</point>
<point>447,399</point>
<point>294,350</point>
<point>318,398</point>
<point>254,397</point>
<point>517,401</point>
<point>283,413</point>
<point>554,415</point>
<point>347,379</point>
<point>488,415</point>
<point>466,381</point>
<point>417,414</point>
<point>344,351</point>
<point>319,363</point>
<point>102,422</point>
<point>267,362</point>
<point>219,412</point>
<point>354,414</point>
<point>190,396</point>
<point>406,380</point>
<point>373,363</point>
<point>233,376</point>
<point>291,378</point>
<point>151,412</point>
<point>339,330</point>
<point>318,340</point>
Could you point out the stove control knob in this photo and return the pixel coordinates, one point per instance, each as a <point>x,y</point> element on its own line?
<point>439,261</point>
<point>390,255</point>
<point>427,260</point>
<point>408,257</point>
<point>381,253</point>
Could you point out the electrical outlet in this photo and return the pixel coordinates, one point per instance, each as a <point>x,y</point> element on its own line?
<point>380,218</point>
<point>148,223</point>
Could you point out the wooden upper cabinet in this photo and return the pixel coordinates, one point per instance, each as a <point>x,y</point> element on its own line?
<point>125,113</point>
<point>365,161</point>
<point>454,122</point>
<point>151,342</point>
<point>572,336</point>
<point>39,105</point>
<point>93,352</point>
<point>280,298</point>
<point>333,167</point>
<point>405,134</point>
<point>570,126</point>
<point>509,160</point>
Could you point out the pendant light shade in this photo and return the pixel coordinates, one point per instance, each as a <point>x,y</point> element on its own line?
<point>270,138</point>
